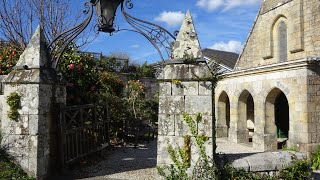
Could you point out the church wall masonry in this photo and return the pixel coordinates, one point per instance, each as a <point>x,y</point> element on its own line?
<point>301,18</point>
<point>278,67</point>
<point>260,86</point>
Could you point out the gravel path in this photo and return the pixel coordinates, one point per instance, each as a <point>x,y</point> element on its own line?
<point>123,163</point>
<point>129,163</point>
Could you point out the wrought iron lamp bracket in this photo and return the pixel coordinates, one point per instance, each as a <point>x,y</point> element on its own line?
<point>161,39</point>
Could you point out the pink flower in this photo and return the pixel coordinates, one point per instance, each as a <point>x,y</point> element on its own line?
<point>71,66</point>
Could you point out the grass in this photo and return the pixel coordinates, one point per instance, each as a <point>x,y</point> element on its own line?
<point>285,148</point>
<point>8,170</point>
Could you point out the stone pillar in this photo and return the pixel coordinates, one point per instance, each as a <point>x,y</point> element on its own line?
<point>181,92</point>
<point>222,131</point>
<point>183,89</point>
<point>30,139</point>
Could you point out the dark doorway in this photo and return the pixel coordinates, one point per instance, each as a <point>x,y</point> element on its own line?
<point>282,119</point>
<point>223,123</point>
<point>250,116</point>
<point>228,113</point>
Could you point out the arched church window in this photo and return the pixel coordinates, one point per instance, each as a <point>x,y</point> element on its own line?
<point>282,42</point>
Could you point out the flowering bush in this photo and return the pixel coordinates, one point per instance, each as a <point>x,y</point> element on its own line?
<point>135,92</point>
<point>135,88</point>
<point>81,75</point>
<point>8,58</point>
<point>111,83</point>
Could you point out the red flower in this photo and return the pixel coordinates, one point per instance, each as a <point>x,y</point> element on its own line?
<point>71,66</point>
<point>70,85</point>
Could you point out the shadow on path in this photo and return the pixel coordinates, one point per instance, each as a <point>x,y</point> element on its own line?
<point>118,160</point>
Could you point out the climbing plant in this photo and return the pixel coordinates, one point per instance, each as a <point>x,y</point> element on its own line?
<point>315,159</point>
<point>181,157</point>
<point>13,100</point>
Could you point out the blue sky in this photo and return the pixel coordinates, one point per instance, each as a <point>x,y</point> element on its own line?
<point>220,24</point>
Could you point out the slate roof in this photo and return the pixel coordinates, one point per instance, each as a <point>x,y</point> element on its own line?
<point>227,59</point>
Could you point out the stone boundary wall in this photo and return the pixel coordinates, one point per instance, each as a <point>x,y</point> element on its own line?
<point>151,87</point>
<point>151,84</point>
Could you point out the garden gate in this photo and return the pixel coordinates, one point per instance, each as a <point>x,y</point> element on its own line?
<point>84,129</point>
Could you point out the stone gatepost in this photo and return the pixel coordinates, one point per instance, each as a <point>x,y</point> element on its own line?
<point>183,89</point>
<point>31,138</point>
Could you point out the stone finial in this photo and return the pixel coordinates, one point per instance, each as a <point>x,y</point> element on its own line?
<point>36,54</point>
<point>187,44</point>
<point>34,65</point>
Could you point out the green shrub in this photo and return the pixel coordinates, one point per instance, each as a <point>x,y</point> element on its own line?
<point>9,170</point>
<point>285,148</point>
<point>315,159</point>
<point>229,172</point>
<point>299,169</point>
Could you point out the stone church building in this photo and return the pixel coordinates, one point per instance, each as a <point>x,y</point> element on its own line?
<point>272,96</point>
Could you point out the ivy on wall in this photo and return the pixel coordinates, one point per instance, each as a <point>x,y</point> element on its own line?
<point>13,100</point>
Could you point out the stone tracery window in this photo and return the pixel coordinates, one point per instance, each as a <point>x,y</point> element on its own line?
<point>282,42</point>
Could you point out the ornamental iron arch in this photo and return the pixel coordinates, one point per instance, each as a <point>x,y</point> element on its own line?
<point>161,39</point>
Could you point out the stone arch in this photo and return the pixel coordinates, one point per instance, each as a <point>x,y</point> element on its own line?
<point>223,123</point>
<point>246,115</point>
<point>279,38</point>
<point>277,116</point>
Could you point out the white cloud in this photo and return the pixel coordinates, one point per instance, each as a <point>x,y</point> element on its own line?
<point>135,46</point>
<point>171,18</point>
<point>211,5</point>
<point>231,46</point>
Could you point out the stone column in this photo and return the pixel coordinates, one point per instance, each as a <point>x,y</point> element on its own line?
<point>183,89</point>
<point>30,139</point>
